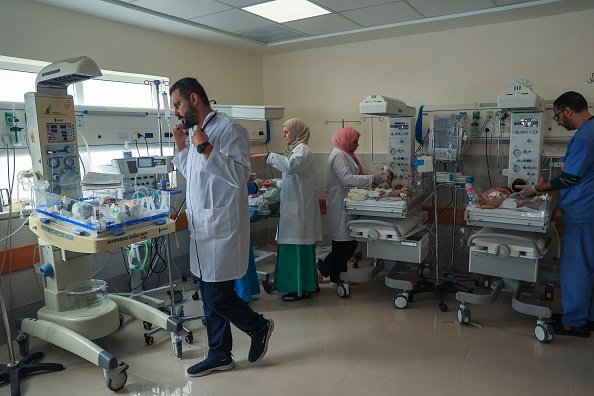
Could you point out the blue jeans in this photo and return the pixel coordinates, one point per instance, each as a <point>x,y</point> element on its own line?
<point>222,306</point>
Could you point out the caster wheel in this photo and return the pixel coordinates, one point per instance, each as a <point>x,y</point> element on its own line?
<point>443,307</point>
<point>543,332</point>
<point>400,301</point>
<point>147,325</point>
<point>23,341</point>
<point>177,296</point>
<point>267,285</point>
<point>148,339</point>
<point>116,385</point>
<point>184,278</point>
<point>343,290</point>
<point>464,316</point>
<point>189,338</point>
<point>424,271</point>
<point>121,318</point>
<point>196,296</point>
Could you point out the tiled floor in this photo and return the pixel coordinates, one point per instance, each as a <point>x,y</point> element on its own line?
<point>360,345</point>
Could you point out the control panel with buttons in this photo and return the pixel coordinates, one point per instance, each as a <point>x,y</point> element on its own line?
<point>401,145</point>
<point>525,147</point>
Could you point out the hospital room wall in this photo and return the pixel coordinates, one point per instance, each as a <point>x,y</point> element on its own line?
<point>38,31</point>
<point>469,65</point>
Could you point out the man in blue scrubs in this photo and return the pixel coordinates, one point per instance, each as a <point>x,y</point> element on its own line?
<point>576,185</point>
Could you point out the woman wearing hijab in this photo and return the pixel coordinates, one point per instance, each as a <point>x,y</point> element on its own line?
<point>299,226</point>
<point>344,172</point>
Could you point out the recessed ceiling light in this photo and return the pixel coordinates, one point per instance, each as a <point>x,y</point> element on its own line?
<point>286,10</point>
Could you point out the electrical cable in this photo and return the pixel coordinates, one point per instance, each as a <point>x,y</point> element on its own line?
<point>487,159</point>
<point>147,147</point>
<point>17,230</point>
<point>79,133</point>
<point>137,149</point>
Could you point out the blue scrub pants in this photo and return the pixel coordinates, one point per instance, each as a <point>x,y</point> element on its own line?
<point>222,306</point>
<point>576,273</point>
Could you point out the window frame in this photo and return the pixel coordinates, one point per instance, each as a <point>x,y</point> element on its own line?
<point>30,65</point>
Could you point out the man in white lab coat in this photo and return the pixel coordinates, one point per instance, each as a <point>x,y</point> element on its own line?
<point>216,167</point>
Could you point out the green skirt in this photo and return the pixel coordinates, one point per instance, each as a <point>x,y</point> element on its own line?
<point>295,269</point>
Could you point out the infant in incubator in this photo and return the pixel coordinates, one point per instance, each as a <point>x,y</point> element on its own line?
<point>398,193</point>
<point>494,197</point>
<point>505,198</point>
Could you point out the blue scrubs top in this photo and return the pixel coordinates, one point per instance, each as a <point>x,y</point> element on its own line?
<point>577,202</point>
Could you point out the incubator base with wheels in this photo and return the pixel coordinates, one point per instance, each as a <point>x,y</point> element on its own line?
<point>71,321</point>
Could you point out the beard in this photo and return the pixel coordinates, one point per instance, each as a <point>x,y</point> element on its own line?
<point>190,118</point>
<point>567,125</point>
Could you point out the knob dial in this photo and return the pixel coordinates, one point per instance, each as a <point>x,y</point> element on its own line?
<point>69,162</point>
<point>53,163</point>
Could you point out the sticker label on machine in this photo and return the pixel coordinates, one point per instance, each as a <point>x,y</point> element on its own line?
<point>59,234</point>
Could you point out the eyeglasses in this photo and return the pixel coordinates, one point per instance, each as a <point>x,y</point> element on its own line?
<point>556,116</point>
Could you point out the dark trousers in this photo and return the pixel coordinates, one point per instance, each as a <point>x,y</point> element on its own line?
<point>336,261</point>
<point>222,306</point>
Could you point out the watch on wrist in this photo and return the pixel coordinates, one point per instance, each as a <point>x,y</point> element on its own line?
<point>202,146</point>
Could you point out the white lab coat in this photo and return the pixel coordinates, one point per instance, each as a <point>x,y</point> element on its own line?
<point>300,220</point>
<point>216,203</point>
<point>343,174</point>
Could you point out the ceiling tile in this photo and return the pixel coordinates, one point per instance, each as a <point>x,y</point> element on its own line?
<point>433,8</point>
<point>234,20</point>
<point>382,14</point>
<point>343,5</point>
<point>243,3</point>
<point>185,9</point>
<point>323,24</point>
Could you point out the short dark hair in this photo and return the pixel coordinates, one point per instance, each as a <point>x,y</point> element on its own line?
<point>188,86</point>
<point>573,100</point>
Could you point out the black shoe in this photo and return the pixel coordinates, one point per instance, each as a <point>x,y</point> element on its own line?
<point>260,342</point>
<point>590,324</point>
<point>582,331</point>
<point>209,365</point>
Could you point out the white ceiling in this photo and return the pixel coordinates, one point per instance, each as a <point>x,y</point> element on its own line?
<point>223,22</point>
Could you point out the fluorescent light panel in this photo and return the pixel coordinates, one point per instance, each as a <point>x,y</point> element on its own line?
<point>286,10</point>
